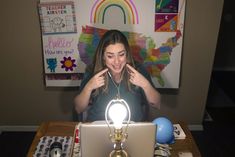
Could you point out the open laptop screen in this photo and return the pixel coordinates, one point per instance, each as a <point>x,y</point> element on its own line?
<point>95,140</point>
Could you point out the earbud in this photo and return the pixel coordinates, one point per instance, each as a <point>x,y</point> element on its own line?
<point>109,74</point>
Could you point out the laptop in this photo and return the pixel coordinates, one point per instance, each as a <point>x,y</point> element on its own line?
<point>94,138</point>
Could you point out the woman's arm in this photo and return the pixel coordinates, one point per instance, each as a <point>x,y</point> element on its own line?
<point>152,95</point>
<point>83,98</point>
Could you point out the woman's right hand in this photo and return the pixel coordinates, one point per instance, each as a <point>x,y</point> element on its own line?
<point>97,80</point>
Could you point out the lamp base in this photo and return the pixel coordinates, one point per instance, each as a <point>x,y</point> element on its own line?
<point>118,153</point>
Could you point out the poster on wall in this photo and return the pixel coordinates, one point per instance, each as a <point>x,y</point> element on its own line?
<point>154,29</point>
<point>60,38</point>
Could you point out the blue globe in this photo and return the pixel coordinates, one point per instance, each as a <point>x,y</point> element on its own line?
<point>165,130</point>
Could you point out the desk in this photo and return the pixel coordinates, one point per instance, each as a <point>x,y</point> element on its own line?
<point>67,129</point>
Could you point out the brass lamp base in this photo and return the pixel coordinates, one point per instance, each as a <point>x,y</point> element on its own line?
<point>118,153</point>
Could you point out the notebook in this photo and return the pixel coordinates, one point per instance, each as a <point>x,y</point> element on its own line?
<point>94,138</point>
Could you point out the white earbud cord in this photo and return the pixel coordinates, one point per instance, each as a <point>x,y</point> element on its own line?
<point>117,86</point>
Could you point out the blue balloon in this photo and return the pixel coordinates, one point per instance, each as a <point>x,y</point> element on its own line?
<point>165,130</point>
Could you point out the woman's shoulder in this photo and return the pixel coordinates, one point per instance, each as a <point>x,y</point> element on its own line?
<point>87,74</point>
<point>88,70</point>
<point>86,77</point>
<point>140,67</point>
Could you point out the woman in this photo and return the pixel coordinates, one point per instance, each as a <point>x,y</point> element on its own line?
<point>115,74</point>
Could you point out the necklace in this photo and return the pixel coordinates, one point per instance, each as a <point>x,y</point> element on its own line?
<point>115,84</point>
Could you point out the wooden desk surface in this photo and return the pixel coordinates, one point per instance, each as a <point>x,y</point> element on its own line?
<point>67,129</point>
<point>186,145</point>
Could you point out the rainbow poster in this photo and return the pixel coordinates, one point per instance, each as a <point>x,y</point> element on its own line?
<point>127,8</point>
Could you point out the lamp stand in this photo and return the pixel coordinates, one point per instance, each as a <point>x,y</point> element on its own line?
<point>118,153</point>
<point>118,148</point>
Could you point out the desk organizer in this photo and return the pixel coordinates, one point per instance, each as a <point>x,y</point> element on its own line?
<point>43,147</point>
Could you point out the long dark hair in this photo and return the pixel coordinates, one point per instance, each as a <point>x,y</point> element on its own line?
<point>111,37</point>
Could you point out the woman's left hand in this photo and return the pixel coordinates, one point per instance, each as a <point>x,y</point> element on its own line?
<point>136,78</point>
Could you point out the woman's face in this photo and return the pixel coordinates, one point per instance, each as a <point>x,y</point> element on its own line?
<point>115,58</point>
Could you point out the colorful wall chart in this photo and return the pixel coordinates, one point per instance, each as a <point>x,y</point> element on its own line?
<point>154,29</point>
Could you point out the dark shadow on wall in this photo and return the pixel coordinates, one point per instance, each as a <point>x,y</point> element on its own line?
<point>224,56</point>
<point>66,100</point>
